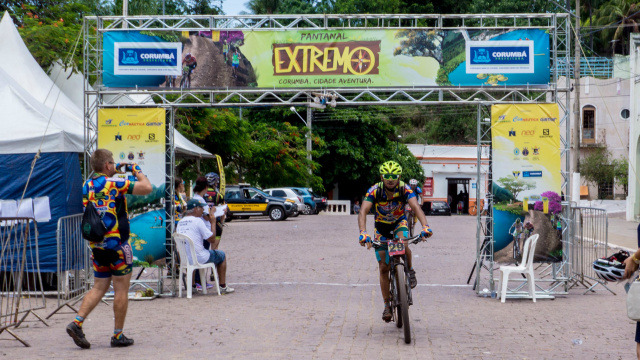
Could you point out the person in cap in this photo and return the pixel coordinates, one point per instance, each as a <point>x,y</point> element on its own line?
<point>193,227</point>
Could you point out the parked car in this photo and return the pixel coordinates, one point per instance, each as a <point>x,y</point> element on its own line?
<point>287,194</point>
<point>248,201</point>
<point>309,206</point>
<point>440,208</point>
<point>321,202</point>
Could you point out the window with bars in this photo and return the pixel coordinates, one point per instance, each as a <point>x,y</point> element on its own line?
<point>588,124</point>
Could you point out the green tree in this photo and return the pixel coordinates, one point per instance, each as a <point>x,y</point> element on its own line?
<point>621,173</point>
<point>263,6</point>
<point>621,16</point>
<point>50,29</point>
<point>596,168</point>
<point>516,185</point>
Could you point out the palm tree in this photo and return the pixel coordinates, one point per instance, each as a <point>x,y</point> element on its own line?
<point>622,17</point>
<point>259,7</point>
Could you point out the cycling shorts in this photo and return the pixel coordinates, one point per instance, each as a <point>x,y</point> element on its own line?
<point>112,262</point>
<point>386,231</point>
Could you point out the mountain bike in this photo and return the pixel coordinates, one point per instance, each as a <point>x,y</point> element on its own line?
<point>516,245</point>
<point>408,213</point>
<point>186,77</point>
<point>400,290</point>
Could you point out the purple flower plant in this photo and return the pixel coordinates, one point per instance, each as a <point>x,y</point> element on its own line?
<point>554,202</point>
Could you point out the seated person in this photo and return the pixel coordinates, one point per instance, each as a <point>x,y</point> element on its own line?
<point>356,207</point>
<point>193,226</point>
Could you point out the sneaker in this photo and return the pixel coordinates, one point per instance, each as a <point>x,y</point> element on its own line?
<point>227,290</point>
<point>122,342</point>
<point>199,287</point>
<point>77,335</point>
<point>387,314</point>
<point>413,282</point>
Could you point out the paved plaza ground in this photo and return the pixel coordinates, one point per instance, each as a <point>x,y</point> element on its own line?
<point>305,289</point>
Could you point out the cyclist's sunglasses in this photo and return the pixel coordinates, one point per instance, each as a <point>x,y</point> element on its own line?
<point>390,176</point>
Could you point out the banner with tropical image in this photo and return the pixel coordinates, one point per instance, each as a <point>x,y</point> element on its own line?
<point>138,136</point>
<point>327,58</point>
<point>527,179</point>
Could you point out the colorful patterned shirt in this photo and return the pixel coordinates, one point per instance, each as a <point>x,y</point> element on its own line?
<point>180,206</point>
<point>107,195</point>
<point>388,210</point>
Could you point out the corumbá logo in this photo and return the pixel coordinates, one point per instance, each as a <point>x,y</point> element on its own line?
<point>148,56</point>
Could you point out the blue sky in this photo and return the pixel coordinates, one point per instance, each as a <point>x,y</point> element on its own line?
<point>233,7</point>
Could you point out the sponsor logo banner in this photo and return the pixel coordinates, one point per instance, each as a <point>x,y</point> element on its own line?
<point>506,57</point>
<point>330,58</point>
<point>147,58</point>
<point>130,143</point>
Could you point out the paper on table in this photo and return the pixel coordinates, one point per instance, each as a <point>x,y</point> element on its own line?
<point>9,208</point>
<point>41,209</point>
<point>25,208</point>
<point>220,210</point>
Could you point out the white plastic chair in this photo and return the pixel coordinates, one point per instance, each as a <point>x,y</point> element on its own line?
<point>526,268</point>
<point>181,240</point>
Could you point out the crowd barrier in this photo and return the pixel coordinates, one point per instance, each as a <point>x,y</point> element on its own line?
<point>21,290</point>
<point>338,207</point>
<point>74,272</point>
<point>589,242</point>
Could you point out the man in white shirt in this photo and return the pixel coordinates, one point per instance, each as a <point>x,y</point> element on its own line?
<point>193,226</point>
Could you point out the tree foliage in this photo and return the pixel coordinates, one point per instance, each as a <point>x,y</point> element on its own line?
<point>596,168</point>
<point>516,185</point>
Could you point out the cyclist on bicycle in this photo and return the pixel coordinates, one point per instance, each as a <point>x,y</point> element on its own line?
<point>518,228</point>
<point>413,184</point>
<point>190,62</point>
<point>389,198</point>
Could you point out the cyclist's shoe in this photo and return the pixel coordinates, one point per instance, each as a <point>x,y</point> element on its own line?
<point>77,335</point>
<point>122,342</point>
<point>413,282</point>
<point>387,313</point>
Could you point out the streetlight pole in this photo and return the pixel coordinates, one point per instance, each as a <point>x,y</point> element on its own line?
<point>308,125</point>
<point>397,141</point>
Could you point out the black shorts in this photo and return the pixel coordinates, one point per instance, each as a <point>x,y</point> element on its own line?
<point>638,332</point>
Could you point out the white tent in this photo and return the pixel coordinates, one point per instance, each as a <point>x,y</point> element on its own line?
<point>29,99</point>
<point>26,126</point>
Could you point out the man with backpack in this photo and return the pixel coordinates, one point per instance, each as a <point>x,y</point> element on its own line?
<point>388,199</point>
<point>112,256</point>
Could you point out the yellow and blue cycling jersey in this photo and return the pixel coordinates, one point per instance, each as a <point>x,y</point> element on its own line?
<point>389,210</point>
<point>180,206</point>
<point>107,195</point>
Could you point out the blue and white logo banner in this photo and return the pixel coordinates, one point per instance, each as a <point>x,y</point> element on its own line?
<point>502,57</point>
<point>147,58</point>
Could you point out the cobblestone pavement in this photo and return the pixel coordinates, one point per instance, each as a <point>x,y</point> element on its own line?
<point>305,289</point>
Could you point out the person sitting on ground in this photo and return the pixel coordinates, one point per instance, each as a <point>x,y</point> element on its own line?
<point>193,227</point>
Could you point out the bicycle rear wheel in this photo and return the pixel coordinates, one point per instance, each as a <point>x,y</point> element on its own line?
<point>403,300</point>
<point>411,224</point>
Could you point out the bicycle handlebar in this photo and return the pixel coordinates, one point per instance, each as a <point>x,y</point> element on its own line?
<point>413,240</point>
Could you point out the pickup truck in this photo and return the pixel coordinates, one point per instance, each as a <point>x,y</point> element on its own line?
<point>244,201</point>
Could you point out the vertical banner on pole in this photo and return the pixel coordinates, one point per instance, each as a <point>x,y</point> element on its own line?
<point>221,172</point>
<point>138,136</point>
<point>526,169</point>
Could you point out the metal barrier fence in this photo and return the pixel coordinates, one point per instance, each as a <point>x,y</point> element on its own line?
<point>74,272</point>
<point>21,291</point>
<point>589,242</point>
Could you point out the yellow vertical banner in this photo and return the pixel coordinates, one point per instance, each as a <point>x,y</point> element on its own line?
<point>526,168</point>
<point>215,36</point>
<point>222,177</point>
<point>185,34</point>
<point>138,135</point>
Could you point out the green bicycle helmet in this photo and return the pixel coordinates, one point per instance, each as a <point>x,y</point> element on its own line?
<point>391,167</point>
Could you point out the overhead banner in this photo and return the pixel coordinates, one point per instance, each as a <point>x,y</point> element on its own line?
<point>138,136</point>
<point>329,58</point>
<point>527,177</point>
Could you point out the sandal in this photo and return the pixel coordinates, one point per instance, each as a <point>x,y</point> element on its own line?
<point>387,313</point>
<point>413,282</point>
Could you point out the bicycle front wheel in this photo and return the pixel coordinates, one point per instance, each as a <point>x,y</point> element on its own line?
<point>395,301</point>
<point>403,302</point>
